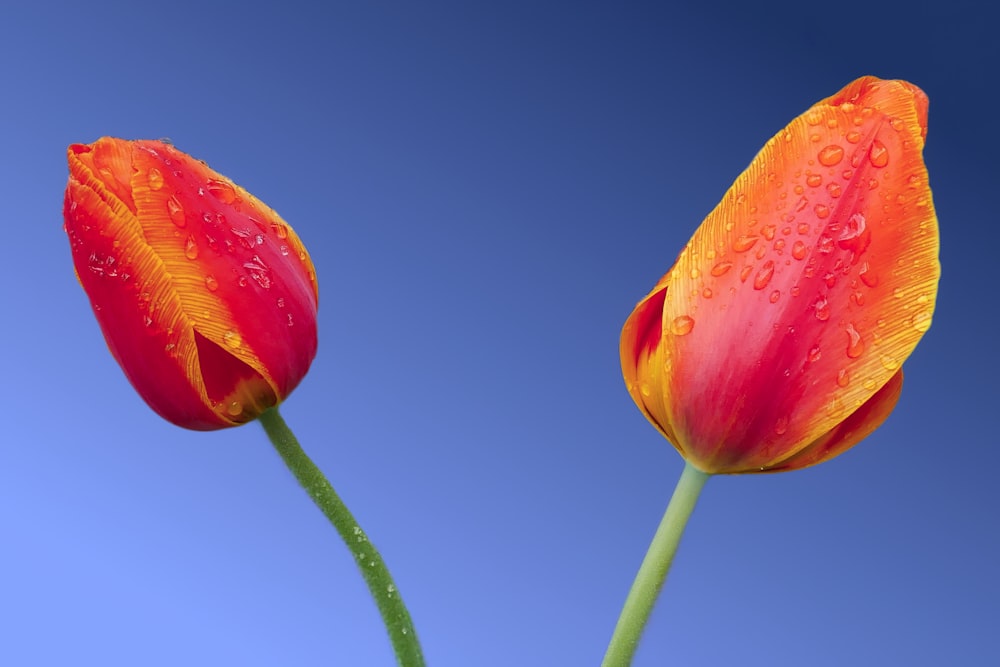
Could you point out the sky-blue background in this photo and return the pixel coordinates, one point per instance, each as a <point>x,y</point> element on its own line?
<point>486,191</point>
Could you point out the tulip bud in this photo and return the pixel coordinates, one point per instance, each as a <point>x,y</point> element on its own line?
<point>776,340</point>
<point>206,298</point>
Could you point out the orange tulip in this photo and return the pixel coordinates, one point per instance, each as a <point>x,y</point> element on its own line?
<point>776,340</point>
<point>206,298</point>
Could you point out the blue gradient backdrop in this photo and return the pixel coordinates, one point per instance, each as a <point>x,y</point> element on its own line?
<point>486,190</point>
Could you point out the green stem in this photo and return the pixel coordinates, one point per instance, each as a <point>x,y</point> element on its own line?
<point>387,598</point>
<point>653,571</point>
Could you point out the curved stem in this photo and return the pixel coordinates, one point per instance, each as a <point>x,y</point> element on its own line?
<point>373,569</point>
<point>653,571</point>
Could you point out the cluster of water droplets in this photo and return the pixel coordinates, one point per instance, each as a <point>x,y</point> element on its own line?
<point>814,231</point>
<point>219,235</point>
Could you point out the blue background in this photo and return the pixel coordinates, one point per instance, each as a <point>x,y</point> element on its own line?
<point>486,191</point>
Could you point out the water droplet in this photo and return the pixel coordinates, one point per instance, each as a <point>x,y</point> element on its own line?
<point>191,248</point>
<point>644,390</point>
<point>803,228</point>
<point>921,321</point>
<point>290,322</point>
<point>853,136</point>
<point>744,242</point>
<point>822,308</point>
<point>235,408</point>
<point>831,155</point>
<point>768,232</point>
<point>847,174</point>
<point>745,273</point>
<point>821,211</point>
<point>833,189</point>
<point>867,276</point>
<point>176,212</point>
<point>814,116</point>
<point>878,154</point>
<point>814,354</point>
<point>155,178</point>
<point>682,326</point>
<point>779,246</point>
<point>222,191</point>
<point>763,276</point>
<point>211,283</point>
<point>259,271</point>
<point>801,204</point>
<point>283,249</point>
<point>889,362</point>
<point>853,228</point>
<point>721,268</point>
<point>799,250</point>
<point>855,345</point>
<point>707,293</point>
<point>843,379</point>
<point>775,295</point>
<point>825,244</point>
<point>232,339</point>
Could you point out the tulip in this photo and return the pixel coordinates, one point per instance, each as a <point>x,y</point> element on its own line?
<point>206,297</point>
<point>776,340</point>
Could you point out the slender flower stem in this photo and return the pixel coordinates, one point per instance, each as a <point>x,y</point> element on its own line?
<point>653,571</point>
<point>373,569</point>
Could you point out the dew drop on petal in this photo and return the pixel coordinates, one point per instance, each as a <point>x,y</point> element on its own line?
<point>721,268</point>
<point>191,248</point>
<point>889,362</point>
<point>221,190</point>
<point>682,326</point>
<point>855,345</point>
<point>843,379</point>
<point>921,321</point>
<point>831,155</point>
<point>822,309</point>
<point>235,408</point>
<point>744,242</point>
<point>155,178</point>
<point>814,354</point>
<point>775,295</point>
<point>799,250</point>
<point>878,154</point>
<point>821,211</point>
<point>853,136</point>
<point>868,277</point>
<point>825,244</point>
<point>764,275</point>
<point>232,339</point>
<point>176,212</point>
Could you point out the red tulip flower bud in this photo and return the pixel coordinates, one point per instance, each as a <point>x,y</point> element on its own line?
<point>207,299</point>
<point>776,340</point>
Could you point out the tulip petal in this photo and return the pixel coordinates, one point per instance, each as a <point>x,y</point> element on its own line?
<point>802,293</point>
<point>858,426</point>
